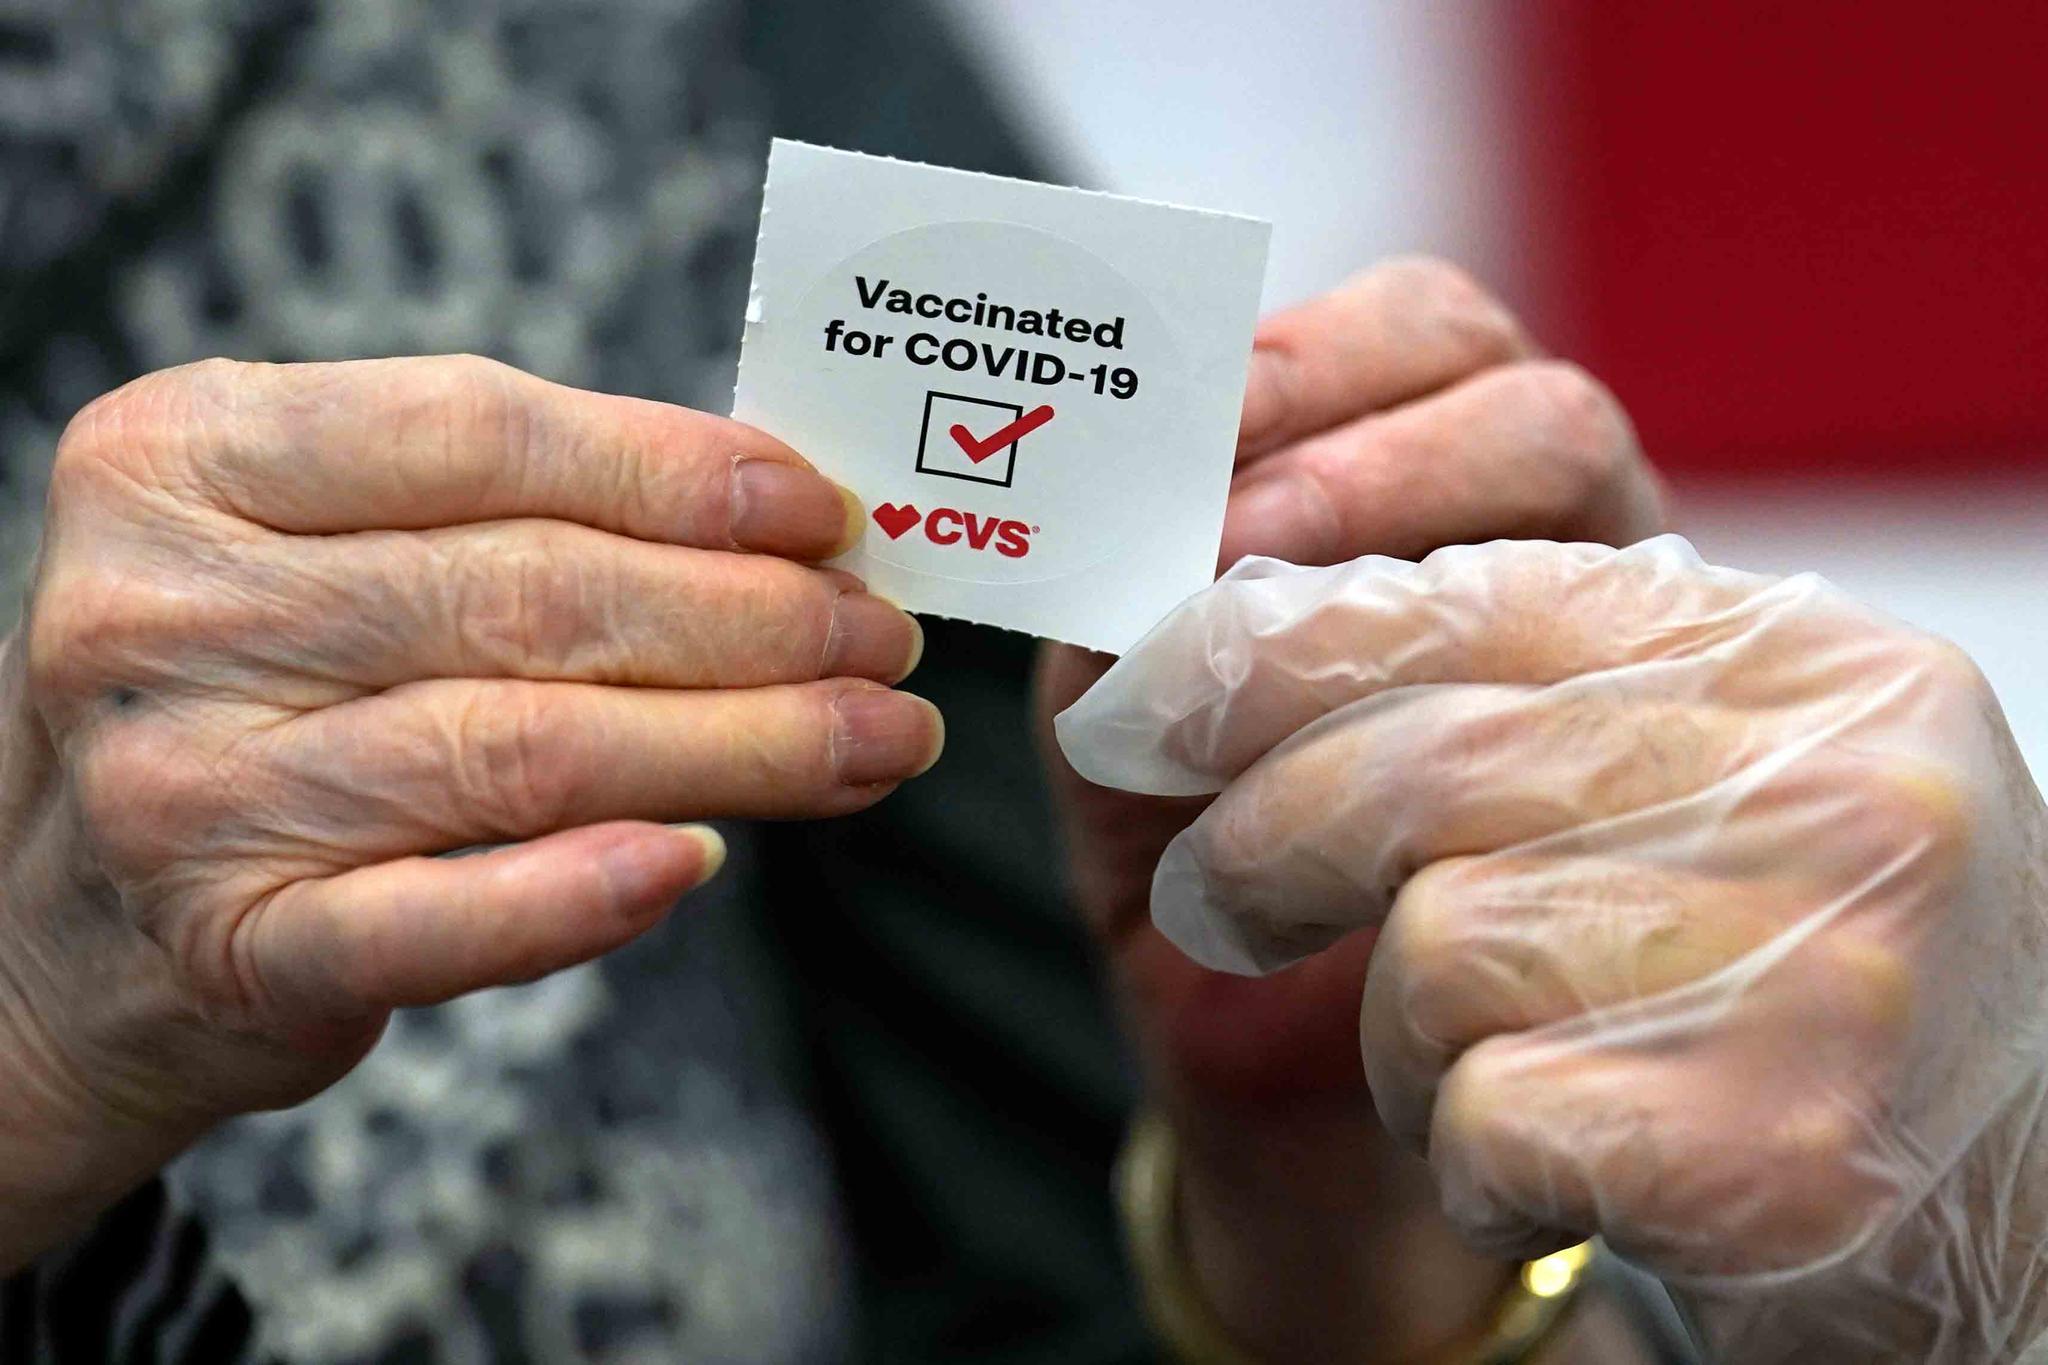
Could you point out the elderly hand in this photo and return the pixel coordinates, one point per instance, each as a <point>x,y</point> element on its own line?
<point>1709,908</point>
<point>297,629</point>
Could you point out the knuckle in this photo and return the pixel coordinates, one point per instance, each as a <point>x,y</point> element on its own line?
<point>1279,917</point>
<point>145,415</point>
<point>212,376</point>
<point>443,411</point>
<point>522,599</point>
<point>1474,1139</point>
<point>1233,846</point>
<point>1948,669</point>
<point>1448,297</point>
<point>513,764</point>
<point>140,788</point>
<point>1740,1189</point>
<point>94,432</point>
<point>1923,809</point>
<point>1442,280</point>
<point>793,622</point>
<point>432,383</point>
<point>1430,937</point>
<point>770,608</point>
<point>467,368</point>
<point>165,433</point>
<point>60,653</point>
<point>1462,1116</point>
<point>1881,986</point>
<point>106,432</point>
<point>474,391</point>
<point>488,386</point>
<point>1827,1186</point>
<point>93,629</point>
<point>214,369</point>
<point>1581,423</point>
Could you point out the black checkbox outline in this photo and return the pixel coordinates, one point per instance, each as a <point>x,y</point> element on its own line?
<point>924,433</point>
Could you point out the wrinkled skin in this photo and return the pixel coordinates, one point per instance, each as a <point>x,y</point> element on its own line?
<point>1709,909</point>
<point>297,629</point>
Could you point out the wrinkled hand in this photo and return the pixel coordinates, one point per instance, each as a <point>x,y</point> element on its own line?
<point>297,629</point>
<point>1711,914</point>
<point>1404,411</point>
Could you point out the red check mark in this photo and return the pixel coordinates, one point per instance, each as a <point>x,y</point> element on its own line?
<point>978,451</point>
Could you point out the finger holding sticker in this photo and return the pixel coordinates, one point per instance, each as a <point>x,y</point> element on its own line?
<point>1707,904</point>
<point>1404,410</point>
<point>1401,411</point>
<point>297,631</point>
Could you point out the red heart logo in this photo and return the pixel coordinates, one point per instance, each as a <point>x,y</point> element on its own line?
<point>897,518</point>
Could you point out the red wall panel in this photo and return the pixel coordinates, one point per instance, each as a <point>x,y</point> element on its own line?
<point>1800,237</point>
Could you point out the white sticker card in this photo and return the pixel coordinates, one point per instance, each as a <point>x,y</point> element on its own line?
<point>1033,390</point>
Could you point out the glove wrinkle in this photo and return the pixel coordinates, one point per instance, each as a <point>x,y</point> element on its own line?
<point>1710,908</point>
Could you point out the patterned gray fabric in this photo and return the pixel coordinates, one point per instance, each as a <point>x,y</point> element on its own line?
<point>601,1166</point>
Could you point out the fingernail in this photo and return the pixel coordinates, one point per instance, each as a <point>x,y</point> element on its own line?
<point>786,509</point>
<point>856,520</point>
<point>643,875</point>
<point>871,638</point>
<point>884,736</point>
<point>712,844</point>
<point>1283,517</point>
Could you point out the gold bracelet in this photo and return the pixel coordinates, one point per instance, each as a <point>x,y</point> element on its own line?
<point>1147,1179</point>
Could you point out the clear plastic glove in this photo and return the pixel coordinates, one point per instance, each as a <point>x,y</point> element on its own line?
<point>1711,914</point>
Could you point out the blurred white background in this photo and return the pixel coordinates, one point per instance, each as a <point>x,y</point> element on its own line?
<point>1357,130</point>
<point>1363,130</point>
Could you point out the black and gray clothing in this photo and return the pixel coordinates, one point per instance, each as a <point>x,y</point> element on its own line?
<point>861,1099</point>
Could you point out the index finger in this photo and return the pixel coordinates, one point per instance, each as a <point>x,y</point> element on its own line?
<point>1394,333</point>
<point>434,441</point>
<point>1272,647</point>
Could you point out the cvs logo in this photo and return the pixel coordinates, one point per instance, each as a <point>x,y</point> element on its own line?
<point>950,526</point>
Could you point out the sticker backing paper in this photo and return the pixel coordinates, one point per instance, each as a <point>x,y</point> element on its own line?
<point>1033,390</point>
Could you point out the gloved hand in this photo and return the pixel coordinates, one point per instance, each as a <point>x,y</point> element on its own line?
<point>1711,914</point>
<point>1403,410</point>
